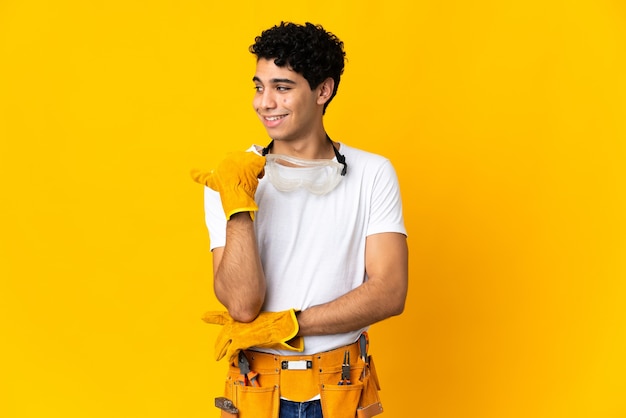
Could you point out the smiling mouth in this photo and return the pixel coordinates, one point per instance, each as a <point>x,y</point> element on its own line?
<point>273,118</point>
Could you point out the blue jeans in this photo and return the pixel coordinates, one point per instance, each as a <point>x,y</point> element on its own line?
<point>289,409</point>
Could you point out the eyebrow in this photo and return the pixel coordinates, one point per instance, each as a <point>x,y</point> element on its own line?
<point>275,80</point>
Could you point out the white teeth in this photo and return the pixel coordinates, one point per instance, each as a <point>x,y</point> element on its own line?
<point>273,118</point>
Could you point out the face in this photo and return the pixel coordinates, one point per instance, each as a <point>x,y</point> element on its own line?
<point>284,102</point>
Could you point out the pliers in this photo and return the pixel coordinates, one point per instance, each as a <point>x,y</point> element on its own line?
<point>247,377</point>
<point>345,369</point>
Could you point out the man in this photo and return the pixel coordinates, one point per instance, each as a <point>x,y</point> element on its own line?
<point>308,241</point>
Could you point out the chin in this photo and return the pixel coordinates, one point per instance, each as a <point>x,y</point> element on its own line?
<point>275,136</point>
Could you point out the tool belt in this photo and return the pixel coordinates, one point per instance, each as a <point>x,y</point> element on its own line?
<point>345,379</point>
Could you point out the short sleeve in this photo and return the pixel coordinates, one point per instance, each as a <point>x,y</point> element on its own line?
<point>214,218</point>
<point>386,204</point>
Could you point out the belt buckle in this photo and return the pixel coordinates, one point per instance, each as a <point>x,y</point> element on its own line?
<point>296,364</point>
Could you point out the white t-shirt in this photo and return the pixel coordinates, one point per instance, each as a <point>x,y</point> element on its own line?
<point>313,247</point>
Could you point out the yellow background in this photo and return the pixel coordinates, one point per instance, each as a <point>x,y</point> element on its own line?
<point>506,122</point>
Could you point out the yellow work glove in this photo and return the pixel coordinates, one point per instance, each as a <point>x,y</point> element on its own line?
<point>270,330</point>
<point>236,179</point>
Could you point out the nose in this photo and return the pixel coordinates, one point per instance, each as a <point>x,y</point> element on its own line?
<point>265,99</point>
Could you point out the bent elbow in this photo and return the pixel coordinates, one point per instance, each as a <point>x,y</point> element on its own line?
<point>397,307</point>
<point>244,314</point>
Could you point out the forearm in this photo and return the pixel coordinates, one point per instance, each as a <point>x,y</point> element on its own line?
<point>381,296</point>
<point>363,306</point>
<point>239,282</point>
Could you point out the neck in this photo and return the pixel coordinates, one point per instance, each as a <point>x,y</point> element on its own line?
<point>315,147</point>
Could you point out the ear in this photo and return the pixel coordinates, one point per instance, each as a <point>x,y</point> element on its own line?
<point>325,90</point>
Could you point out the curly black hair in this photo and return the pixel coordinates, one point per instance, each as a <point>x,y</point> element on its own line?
<point>307,49</point>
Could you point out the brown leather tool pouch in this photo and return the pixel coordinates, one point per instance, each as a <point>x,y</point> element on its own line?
<point>260,401</point>
<point>357,399</point>
<point>369,404</point>
<point>340,401</point>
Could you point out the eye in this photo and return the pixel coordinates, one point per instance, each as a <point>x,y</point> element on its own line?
<point>258,88</point>
<point>283,88</point>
